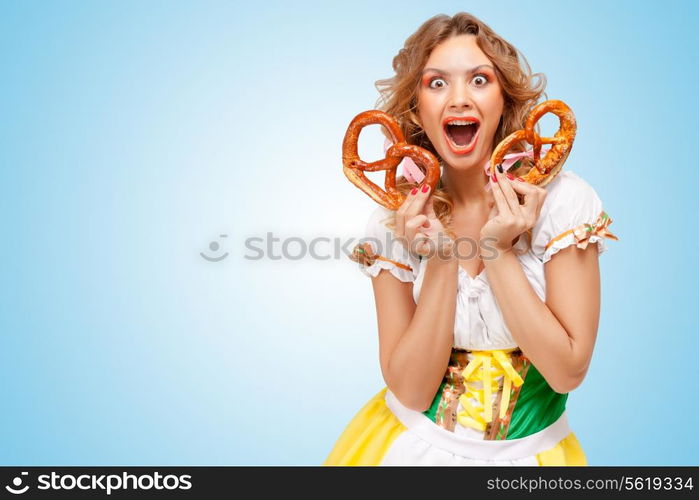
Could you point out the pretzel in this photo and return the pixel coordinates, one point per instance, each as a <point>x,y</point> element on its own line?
<point>546,168</point>
<point>354,167</point>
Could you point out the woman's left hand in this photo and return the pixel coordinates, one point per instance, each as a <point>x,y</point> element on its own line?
<point>508,218</point>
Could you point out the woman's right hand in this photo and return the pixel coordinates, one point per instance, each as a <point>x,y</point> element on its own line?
<point>418,227</point>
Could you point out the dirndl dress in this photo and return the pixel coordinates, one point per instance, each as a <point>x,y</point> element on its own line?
<point>493,407</point>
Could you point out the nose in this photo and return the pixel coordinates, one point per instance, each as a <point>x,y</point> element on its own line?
<point>460,98</point>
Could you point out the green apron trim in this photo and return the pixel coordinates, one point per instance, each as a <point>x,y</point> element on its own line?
<point>537,407</point>
<point>431,412</point>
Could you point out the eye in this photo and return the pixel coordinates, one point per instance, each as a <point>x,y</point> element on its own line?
<point>437,79</point>
<point>479,80</point>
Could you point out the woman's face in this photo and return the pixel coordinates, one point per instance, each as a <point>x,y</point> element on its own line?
<point>459,86</point>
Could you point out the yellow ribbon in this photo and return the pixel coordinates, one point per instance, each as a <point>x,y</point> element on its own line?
<point>584,231</point>
<point>486,367</point>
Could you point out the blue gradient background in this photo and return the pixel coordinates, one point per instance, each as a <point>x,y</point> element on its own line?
<point>133,134</point>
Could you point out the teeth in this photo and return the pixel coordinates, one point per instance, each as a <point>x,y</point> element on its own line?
<point>461,122</point>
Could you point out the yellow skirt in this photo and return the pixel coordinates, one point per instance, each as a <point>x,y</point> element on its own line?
<point>370,434</point>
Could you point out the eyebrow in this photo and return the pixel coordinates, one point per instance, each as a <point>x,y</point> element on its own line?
<point>472,70</point>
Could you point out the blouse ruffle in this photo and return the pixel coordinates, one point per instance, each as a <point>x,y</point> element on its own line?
<point>572,213</point>
<point>379,249</point>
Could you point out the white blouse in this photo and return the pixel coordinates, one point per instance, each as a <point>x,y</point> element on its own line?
<point>570,203</point>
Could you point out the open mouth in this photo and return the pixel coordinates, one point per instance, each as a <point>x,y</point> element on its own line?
<point>461,134</point>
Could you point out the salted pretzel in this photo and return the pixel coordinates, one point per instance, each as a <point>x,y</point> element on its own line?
<point>354,167</point>
<point>546,168</point>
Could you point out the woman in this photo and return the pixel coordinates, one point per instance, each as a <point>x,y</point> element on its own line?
<point>488,291</point>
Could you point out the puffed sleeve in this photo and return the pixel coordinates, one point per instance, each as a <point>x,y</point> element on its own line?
<point>572,213</point>
<point>379,249</point>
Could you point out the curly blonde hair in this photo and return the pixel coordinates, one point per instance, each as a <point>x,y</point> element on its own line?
<point>521,90</point>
